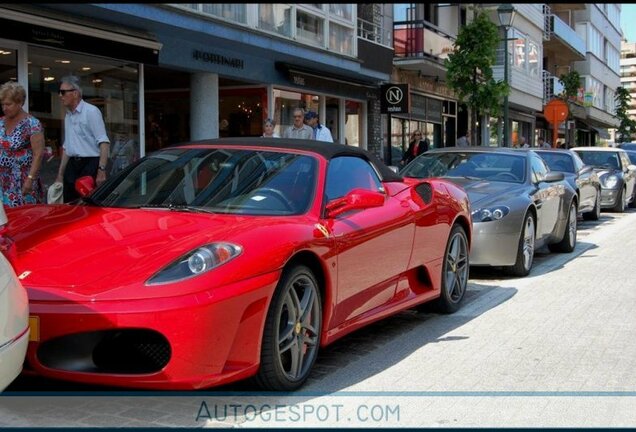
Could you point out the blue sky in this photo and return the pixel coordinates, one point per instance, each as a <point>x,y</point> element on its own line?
<point>628,21</point>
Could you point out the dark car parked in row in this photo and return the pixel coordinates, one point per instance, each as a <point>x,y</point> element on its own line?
<point>627,146</point>
<point>581,177</point>
<point>517,203</point>
<point>616,172</point>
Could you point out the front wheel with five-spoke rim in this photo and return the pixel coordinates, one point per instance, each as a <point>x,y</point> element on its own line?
<point>291,337</point>
<point>525,248</point>
<point>454,271</point>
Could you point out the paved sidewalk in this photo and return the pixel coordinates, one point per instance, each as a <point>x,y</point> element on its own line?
<point>554,349</point>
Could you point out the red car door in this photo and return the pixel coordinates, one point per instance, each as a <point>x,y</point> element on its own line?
<point>373,245</point>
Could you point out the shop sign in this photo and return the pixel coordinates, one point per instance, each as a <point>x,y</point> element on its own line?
<point>395,99</point>
<point>61,39</point>
<point>219,59</point>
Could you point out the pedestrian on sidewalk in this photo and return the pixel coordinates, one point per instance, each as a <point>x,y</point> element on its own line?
<point>86,144</point>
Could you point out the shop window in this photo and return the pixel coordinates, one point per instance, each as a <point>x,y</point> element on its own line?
<point>110,85</point>
<point>284,104</point>
<point>8,66</point>
<point>275,18</point>
<point>353,123</point>
<point>242,111</point>
<point>332,117</point>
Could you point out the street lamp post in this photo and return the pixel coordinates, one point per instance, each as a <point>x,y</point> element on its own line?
<point>506,13</point>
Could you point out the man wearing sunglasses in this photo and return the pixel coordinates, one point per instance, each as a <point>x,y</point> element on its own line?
<point>85,141</point>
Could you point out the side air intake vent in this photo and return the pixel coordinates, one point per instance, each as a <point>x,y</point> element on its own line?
<point>425,191</point>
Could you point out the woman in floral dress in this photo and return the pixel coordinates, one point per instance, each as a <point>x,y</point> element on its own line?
<point>21,149</point>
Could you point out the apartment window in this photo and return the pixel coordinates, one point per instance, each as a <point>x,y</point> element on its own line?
<point>342,11</point>
<point>229,11</point>
<point>613,57</point>
<point>613,14</point>
<point>610,102</point>
<point>309,28</point>
<point>595,42</point>
<point>340,38</point>
<point>519,59</point>
<point>534,59</point>
<point>306,23</point>
<point>275,18</point>
<point>595,91</point>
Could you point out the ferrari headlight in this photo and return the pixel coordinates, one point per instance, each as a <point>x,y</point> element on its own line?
<point>488,214</point>
<point>610,181</point>
<point>196,262</point>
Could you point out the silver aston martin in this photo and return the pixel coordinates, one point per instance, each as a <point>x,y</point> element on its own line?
<point>518,204</point>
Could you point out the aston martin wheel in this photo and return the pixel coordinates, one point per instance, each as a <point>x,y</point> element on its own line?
<point>291,337</point>
<point>620,202</point>
<point>568,242</point>
<point>595,214</point>
<point>525,248</point>
<point>454,271</point>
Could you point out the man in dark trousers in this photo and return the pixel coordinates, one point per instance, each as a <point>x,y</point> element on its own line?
<point>85,141</point>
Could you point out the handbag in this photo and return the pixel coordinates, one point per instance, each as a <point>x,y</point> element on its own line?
<point>55,194</point>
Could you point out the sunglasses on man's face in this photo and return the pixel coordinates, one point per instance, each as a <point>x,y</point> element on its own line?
<point>64,91</point>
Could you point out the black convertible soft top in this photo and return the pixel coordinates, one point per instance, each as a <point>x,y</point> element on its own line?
<point>325,149</point>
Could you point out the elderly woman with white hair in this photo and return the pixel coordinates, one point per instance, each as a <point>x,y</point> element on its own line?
<point>268,129</point>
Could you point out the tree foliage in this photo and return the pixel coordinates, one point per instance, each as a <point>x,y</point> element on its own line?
<point>571,84</point>
<point>469,67</point>
<point>627,125</point>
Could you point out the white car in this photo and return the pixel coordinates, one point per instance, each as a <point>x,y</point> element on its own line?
<point>14,315</point>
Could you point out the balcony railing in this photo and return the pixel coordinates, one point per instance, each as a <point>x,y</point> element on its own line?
<point>566,34</point>
<point>374,32</point>
<point>552,86</point>
<point>421,39</point>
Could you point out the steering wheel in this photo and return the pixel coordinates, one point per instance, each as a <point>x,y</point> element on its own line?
<point>506,175</point>
<point>275,193</point>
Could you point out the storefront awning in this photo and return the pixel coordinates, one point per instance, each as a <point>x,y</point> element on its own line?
<point>602,132</point>
<point>40,30</point>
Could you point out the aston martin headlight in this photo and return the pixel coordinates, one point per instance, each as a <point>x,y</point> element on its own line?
<point>610,181</point>
<point>488,214</point>
<point>197,262</point>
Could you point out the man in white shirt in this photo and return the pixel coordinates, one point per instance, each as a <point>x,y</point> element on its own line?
<point>299,129</point>
<point>86,145</point>
<point>542,144</point>
<point>320,132</point>
<point>463,141</point>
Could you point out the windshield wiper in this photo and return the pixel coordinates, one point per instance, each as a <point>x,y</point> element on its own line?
<point>176,207</point>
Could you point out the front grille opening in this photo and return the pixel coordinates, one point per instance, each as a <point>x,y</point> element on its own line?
<point>121,351</point>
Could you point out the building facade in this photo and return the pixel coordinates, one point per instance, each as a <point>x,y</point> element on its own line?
<point>628,79</point>
<point>163,74</point>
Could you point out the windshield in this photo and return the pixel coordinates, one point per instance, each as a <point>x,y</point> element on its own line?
<point>600,159</point>
<point>557,161</point>
<point>488,166</point>
<point>215,180</point>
